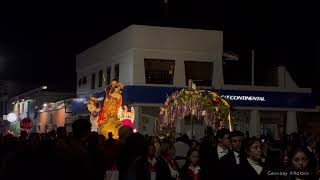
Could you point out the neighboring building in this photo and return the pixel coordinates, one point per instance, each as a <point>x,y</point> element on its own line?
<point>270,110</point>
<point>9,89</point>
<point>3,97</point>
<point>45,108</point>
<point>153,62</point>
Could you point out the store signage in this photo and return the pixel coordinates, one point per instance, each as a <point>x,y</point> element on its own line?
<point>26,123</point>
<point>244,98</point>
<point>238,98</point>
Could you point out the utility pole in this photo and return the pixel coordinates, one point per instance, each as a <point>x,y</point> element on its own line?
<point>166,12</point>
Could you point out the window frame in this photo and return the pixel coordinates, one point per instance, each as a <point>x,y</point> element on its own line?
<point>170,80</point>
<point>93,80</point>
<point>84,80</point>
<point>100,78</point>
<point>116,71</point>
<point>108,75</point>
<point>79,82</point>
<point>195,80</point>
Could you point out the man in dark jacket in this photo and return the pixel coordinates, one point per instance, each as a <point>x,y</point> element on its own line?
<point>230,162</point>
<point>211,162</point>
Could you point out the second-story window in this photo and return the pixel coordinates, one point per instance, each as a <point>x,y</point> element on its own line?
<point>93,80</point>
<point>100,78</point>
<point>79,82</point>
<point>159,71</point>
<point>84,80</point>
<point>116,72</point>
<point>199,72</point>
<point>108,74</point>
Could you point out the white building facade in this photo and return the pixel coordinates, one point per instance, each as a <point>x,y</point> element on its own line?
<point>153,62</point>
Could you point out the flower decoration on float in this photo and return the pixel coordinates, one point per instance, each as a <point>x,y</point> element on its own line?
<point>201,104</point>
<point>92,106</point>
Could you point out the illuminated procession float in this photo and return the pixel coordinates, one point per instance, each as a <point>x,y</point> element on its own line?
<point>111,114</point>
<point>198,105</point>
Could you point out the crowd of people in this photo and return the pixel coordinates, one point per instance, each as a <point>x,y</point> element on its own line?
<point>83,154</point>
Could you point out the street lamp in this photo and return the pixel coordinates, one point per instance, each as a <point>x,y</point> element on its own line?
<point>12,117</point>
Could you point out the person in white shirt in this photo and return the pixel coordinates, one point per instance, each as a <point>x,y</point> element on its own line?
<point>236,138</point>
<point>152,160</point>
<point>211,160</point>
<point>182,146</point>
<point>252,167</point>
<point>223,147</point>
<point>230,162</point>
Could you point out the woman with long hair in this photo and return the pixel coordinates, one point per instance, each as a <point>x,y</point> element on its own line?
<point>157,144</point>
<point>166,167</point>
<point>191,169</point>
<point>299,166</point>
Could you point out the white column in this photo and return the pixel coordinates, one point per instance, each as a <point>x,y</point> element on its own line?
<point>179,78</point>
<point>254,124</point>
<point>137,118</point>
<point>291,124</point>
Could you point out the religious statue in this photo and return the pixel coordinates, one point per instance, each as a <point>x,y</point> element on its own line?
<point>126,116</point>
<point>108,120</point>
<point>94,109</point>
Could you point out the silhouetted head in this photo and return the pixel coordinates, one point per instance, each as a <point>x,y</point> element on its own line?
<point>110,135</point>
<point>208,131</point>
<point>61,132</point>
<point>124,132</point>
<point>81,128</point>
<point>23,134</point>
<point>136,145</point>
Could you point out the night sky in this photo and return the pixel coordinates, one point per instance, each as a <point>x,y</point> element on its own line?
<point>39,43</point>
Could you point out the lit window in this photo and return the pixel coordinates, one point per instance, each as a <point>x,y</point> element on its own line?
<point>93,81</point>
<point>199,72</point>
<point>159,71</point>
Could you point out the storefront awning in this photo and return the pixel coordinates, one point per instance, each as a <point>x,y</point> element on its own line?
<point>240,98</point>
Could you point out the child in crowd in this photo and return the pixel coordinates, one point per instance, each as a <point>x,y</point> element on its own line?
<point>191,170</point>
<point>152,160</point>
